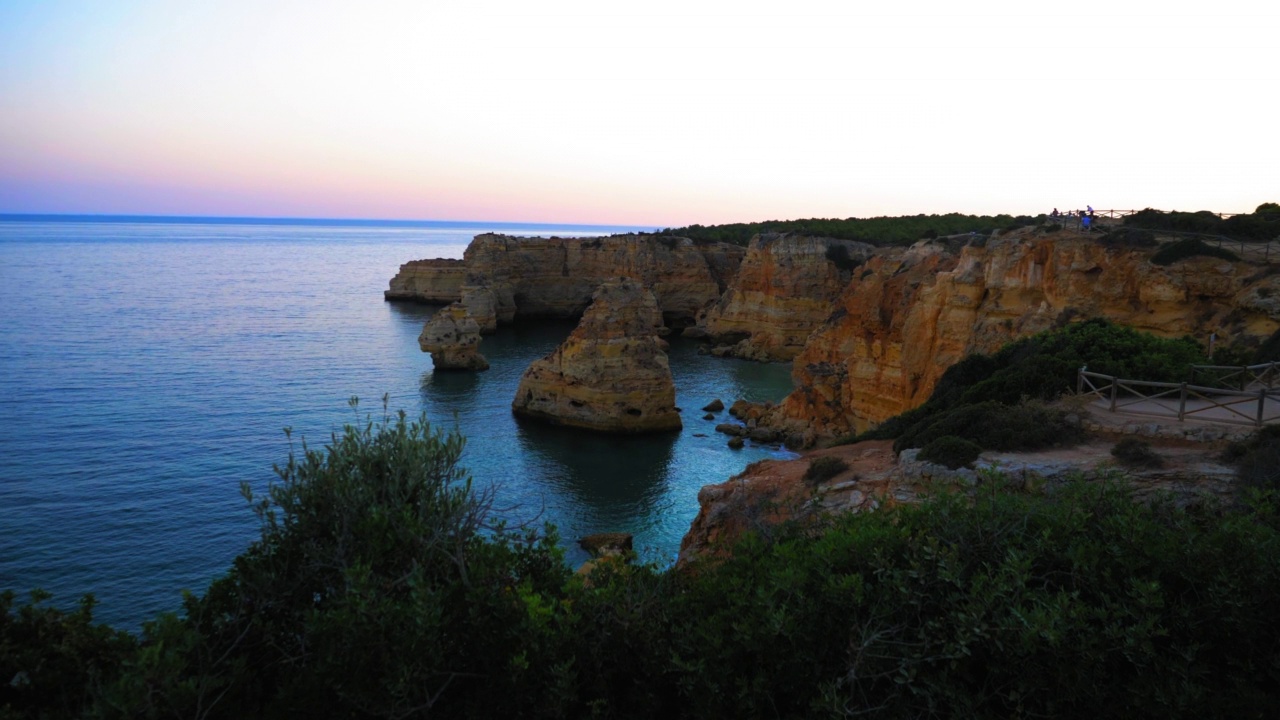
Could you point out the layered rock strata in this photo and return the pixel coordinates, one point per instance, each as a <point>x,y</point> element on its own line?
<point>611,374</point>
<point>909,314</point>
<point>431,281</point>
<point>555,277</point>
<point>452,337</point>
<point>783,291</point>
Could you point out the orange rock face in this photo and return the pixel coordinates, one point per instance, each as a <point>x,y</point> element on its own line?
<point>784,290</point>
<point>610,374</point>
<point>555,277</point>
<point>910,314</point>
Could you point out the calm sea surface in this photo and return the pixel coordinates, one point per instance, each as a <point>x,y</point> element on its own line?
<point>147,369</point>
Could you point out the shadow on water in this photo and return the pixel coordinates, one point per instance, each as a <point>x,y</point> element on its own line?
<point>618,479</point>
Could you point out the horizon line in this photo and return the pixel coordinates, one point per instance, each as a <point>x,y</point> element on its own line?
<point>281,220</point>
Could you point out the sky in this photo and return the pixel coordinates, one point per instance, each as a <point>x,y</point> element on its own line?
<point>653,113</point>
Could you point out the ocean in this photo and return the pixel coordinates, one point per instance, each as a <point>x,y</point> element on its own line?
<point>149,366</point>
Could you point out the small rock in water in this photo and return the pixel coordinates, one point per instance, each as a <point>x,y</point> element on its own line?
<point>736,442</point>
<point>708,416</point>
<point>714,406</point>
<point>606,544</point>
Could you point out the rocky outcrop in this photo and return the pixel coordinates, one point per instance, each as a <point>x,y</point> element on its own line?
<point>431,281</point>
<point>452,337</point>
<point>774,491</point>
<point>909,314</point>
<point>610,374</point>
<point>482,306</point>
<point>784,291</point>
<point>555,277</point>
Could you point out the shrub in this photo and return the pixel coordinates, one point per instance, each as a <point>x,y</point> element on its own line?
<point>1257,459</point>
<point>951,451</point>
<point>993,426</point>
<point>1191,247</point>
<point>824,468</point>
<point>1136,453</point>
<point>1129,238</point>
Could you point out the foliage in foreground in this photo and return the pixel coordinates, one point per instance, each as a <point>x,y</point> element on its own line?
<point>378,590</point>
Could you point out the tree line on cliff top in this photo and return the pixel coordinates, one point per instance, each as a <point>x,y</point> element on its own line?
<point>383,586</point>
<point>1261,225</point>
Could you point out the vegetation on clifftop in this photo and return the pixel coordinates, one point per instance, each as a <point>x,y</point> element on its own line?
<point>902,230</point>
<point>1261,225</point>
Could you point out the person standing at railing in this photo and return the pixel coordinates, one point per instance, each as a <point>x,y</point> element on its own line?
<point>1085,221</point>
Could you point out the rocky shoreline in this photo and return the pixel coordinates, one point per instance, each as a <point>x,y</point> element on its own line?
<point>869,331</point>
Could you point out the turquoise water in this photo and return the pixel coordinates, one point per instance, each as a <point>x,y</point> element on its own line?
<point>146,369</point>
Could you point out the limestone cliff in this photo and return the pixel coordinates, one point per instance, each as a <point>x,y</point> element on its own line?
<point>783,291</point>
<point>610,374</point>
<point>908,314</point>
<point>431,281</point>
<point>555,277</point>
<point>452,337</point>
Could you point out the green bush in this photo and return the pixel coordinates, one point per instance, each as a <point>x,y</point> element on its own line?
<point>1136,453</point>
<point>1189,248</point>
<point>53,661</point>
<point>824,468</point>
<point>1257,459</point>
<point>951,451</point>
<point>992,426</point>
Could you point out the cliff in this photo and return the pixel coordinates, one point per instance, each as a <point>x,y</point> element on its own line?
<point>555,277</point>
<point>611,373</point>
<point>432,281</point>
<point>784,290</point>
<point>909,314</point>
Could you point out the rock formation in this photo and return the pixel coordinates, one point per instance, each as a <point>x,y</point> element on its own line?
<point>783,291</point>
<point>452,337</point>
<point>555,277</point>
<point>610,374</point>
<point>909,314</point>
<point>432,281</point>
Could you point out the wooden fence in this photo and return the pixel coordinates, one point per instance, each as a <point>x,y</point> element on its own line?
<point>1181,400</point>
<point>1238,377</point>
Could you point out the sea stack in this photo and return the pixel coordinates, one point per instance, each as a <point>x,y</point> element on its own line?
<point>611,374</point>
<point>452,337</point>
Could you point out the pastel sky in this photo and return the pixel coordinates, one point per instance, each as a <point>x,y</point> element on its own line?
<point>652,113</point>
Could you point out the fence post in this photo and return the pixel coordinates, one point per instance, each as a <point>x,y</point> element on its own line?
<point>1244,378</point>
<point>1080,380</point>
<point>1114,388</point>
<point>1262,399</point>
<point>1182,403</point>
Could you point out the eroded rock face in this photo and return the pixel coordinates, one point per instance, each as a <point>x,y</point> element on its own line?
<point>432,281</point>
<point>555,277</point>
<point>784,290</point>
<point>610,374</point>
<point>908,315</point>
<point>452,337</point>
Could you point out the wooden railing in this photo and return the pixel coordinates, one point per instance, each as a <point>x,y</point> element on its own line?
<point>1181,400</point>
<point>1238,377</point>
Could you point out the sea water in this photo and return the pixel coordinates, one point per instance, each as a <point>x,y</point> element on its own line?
<point>148,368</point>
